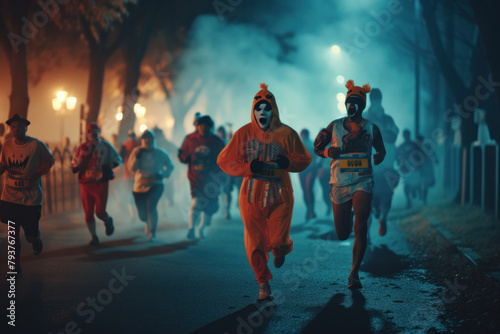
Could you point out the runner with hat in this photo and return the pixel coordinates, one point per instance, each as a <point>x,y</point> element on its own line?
<point>25,159</point>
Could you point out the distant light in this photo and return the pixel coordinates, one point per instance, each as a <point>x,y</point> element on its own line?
<point>341,97</point>
<point>137,107</point>
<point>119,116</point>
<point>143,127</point>
<point>336,49</point>
<point>139,110</point>
<point>71,103</point>
<point>56,104</point>
<point>341,107</point>
<point>340,79</point>
<point>62,95</point>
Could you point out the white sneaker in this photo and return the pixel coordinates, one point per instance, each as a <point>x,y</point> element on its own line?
<point>264,291</point>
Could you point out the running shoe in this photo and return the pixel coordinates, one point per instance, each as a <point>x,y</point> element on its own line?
<point>109,227</point>
<point>354,283</point>
<point>94,242</point>
<point>37,246</point>
<point>264,291</point>
<point>278,261</point>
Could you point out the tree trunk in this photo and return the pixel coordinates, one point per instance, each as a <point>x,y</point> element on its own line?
<point>19,99</point>
<point>97,69</point>
<point>486,13</point>
<point>132,75</point>
<point>14,42</point>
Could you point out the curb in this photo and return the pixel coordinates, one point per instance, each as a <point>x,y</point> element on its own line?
<point>468,253</point>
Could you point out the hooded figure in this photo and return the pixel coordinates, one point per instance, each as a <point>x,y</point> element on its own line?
<point>264,151</point>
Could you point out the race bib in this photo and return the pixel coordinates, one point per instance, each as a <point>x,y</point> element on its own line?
<point>271,172</point>
<point>354,163</point>
<point>18,184</point>
<point>93,174</point>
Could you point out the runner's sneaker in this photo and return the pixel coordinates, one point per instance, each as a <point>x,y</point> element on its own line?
<point>109,227</point>
<point>94,241</point>
<point>278,261</point>
<point>354,283</point>
<point>264,291</point>
<point>37,246</point>
<point>190,233</point>
<point>201,234</point>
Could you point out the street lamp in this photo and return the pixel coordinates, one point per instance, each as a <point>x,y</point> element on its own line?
<point>62,104</point>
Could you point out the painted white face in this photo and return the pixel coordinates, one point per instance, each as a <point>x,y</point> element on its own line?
<point>263,114</point>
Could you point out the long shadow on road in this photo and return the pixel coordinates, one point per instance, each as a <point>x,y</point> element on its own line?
<point>92,254</point>
<point>316,231</point>
<point>128,254</point>
<point>382,262</point>
<point>80,249</point>
<point>253,318</point>
<point>337,318</point>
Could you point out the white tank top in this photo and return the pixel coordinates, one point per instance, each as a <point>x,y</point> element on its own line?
<point>362,144</point>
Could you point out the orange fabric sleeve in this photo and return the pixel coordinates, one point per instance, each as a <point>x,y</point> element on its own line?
<point>231,159</point>
<point>297,153</point>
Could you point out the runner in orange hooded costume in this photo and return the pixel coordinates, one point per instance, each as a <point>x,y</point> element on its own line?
<point>264,151</point>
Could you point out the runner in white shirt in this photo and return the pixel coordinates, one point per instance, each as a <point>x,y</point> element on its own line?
<point>25,159</point>
<point>151,165</point>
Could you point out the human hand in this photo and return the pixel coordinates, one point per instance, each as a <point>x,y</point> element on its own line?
<point>334,152</point>
<point>282,161</point>
<point>256,166</point>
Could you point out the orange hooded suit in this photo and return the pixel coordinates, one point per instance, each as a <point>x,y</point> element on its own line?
<point>266,198</point>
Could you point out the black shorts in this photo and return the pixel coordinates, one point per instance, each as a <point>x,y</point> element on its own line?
<point>27,216</point>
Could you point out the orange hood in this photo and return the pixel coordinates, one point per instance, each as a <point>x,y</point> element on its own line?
<point>265,95</point>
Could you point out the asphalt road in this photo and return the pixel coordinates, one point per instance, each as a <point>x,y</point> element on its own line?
<point>206,286</point>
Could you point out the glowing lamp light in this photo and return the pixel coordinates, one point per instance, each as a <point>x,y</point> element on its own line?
<point>341,107</point>
<point>62,95</point>
<point>137,107</point>
<point>56,104</point>
<point>341,97</point>
<point>143,127</point>
<point>340,79</point>
<point>71,103</point>
<point>119,116</point>
<point>336,49</point>
<point>139,110</point>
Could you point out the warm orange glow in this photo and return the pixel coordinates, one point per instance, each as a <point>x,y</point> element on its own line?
<point>62,95</point>
<point>56,104</point>
<point>71,103</point>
